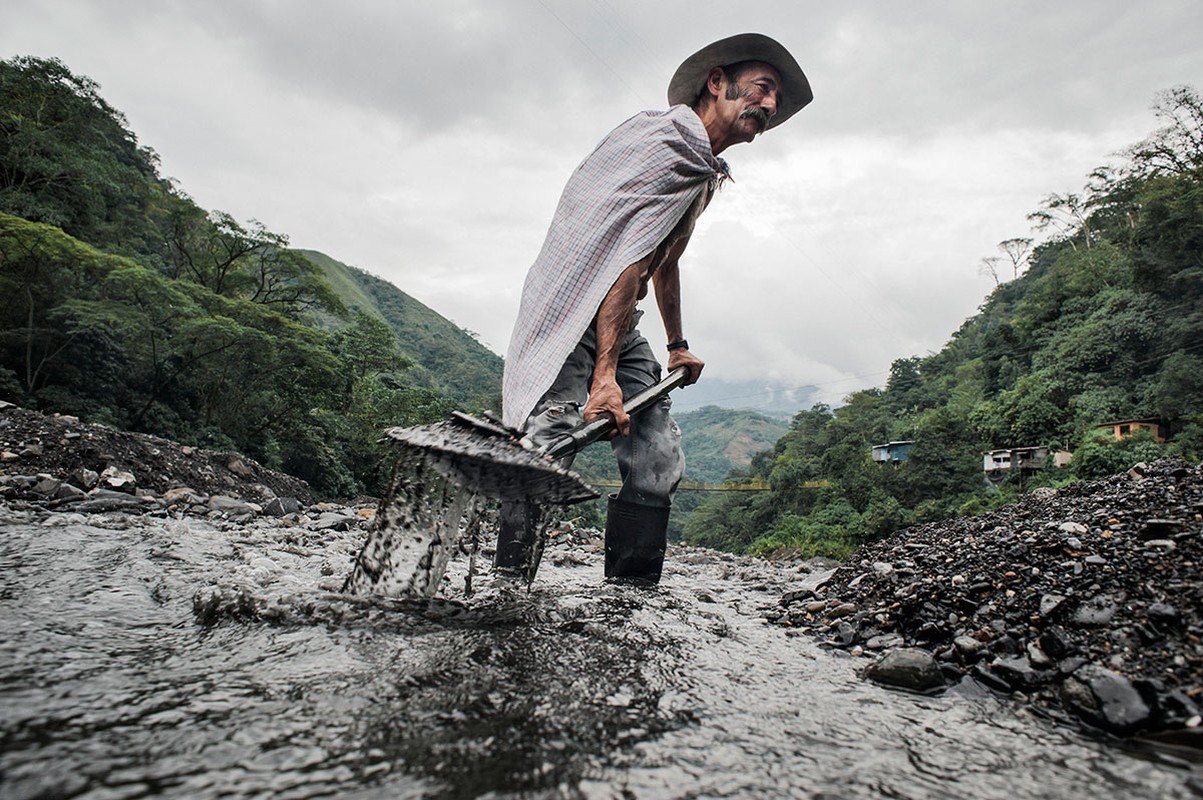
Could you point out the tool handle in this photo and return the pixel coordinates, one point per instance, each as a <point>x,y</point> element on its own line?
<point>590,432</point>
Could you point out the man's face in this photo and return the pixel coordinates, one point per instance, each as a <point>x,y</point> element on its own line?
<point>747,103</point>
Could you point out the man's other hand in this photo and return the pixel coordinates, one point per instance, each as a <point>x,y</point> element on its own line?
<point>683,358</point>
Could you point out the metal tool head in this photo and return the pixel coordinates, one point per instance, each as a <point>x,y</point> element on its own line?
<point>487,459</point>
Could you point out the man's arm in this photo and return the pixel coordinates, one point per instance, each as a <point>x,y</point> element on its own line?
<point>667,282</point>
<point>613,323</point>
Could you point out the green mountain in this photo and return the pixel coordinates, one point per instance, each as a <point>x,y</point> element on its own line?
<point>445,357</point>
<point>719,440</point>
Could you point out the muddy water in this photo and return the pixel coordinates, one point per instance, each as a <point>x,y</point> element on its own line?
<point>147,657</point>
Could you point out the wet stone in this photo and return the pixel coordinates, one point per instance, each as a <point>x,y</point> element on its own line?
<point>230,505</point>
<point>1164,613</point>
<point>1038,658</point>
<point>335,521</point>
<point>1103,573</point>
<point>1160,528</point>
<point>1098,611</point>
<point>1018,673</point>
<point>907,668</point>
<point>280,506</point>
<point>969,646</point>
<point>1161,544</point>
<point>1106,698</point>
<point>885,641</point>
<point>1050,603</point>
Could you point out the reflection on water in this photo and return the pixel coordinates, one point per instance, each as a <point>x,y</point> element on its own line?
<point>142,657</point>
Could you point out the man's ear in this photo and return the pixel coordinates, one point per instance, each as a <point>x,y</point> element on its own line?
<point>714,82</point>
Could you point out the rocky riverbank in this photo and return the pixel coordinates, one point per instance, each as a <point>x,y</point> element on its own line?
<point>59,461</point>
<point>1086,602</point>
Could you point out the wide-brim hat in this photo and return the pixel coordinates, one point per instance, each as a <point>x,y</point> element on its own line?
<point>689,79</point>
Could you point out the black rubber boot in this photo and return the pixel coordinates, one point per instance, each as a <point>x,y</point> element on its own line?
<point>516,539</point>
<point>636,537</point>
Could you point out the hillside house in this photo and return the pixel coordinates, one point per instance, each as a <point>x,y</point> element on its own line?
<point>1126,427</point>
<point>998,464</point>
<point>892,452</point>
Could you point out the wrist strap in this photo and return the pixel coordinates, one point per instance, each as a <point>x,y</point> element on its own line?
<point>680,344</point>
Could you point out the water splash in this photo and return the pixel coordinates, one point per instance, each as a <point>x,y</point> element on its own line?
<point>419,526</point>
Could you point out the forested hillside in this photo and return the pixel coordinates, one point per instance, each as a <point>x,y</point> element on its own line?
<point>124,302</point>
<point>445,358</point>
<point>1101,323</point>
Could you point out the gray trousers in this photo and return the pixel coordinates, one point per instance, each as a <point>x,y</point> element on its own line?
<point>649,459</point>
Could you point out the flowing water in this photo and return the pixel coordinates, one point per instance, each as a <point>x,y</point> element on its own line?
<point>143,656</point>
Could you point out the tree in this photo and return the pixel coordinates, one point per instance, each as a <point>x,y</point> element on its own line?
<point>40,267</point>
<point>1017,251</point>
<point>1066,214</point>
<point>67,158</point>
<point>989,268</point>
<point>1177,147</point>
<point>251,262</point>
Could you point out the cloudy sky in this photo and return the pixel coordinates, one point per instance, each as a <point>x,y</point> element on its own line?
<point>428,142</point>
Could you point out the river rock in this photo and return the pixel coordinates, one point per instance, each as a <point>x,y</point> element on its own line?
<point>85,478</point>
<point>1163,614</point>
<point>1050,603</point>
<point>239,468</point>
<point>66,493</point>
<point>279,506</point>
<point>1018,673</point>
<point>47,485</point>
<point>99,500</point>
<point>1097,611</point>
<point>969,647</point>
<point>119,480</point>
<point>230,505</point>
<point>907,668</point>
<point>182,494</point>
<point>1106,698</point>
<point>335,521</point>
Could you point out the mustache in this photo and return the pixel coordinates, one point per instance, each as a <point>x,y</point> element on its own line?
<point>757,113</point>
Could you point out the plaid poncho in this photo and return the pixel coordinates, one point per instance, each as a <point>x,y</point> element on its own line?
<point>618,206</point>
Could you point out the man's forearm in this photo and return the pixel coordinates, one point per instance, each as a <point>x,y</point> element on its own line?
<point>613,323</point>
<point>614,319</point>
<point>667,283</point>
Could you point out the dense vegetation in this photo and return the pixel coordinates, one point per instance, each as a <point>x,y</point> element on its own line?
<point>1106,323</point>
<point>122,301</point>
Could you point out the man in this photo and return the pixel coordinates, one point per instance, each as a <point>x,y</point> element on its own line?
<point>623,220</point>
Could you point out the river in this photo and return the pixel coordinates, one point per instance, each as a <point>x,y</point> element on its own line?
<point>145,656</point>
